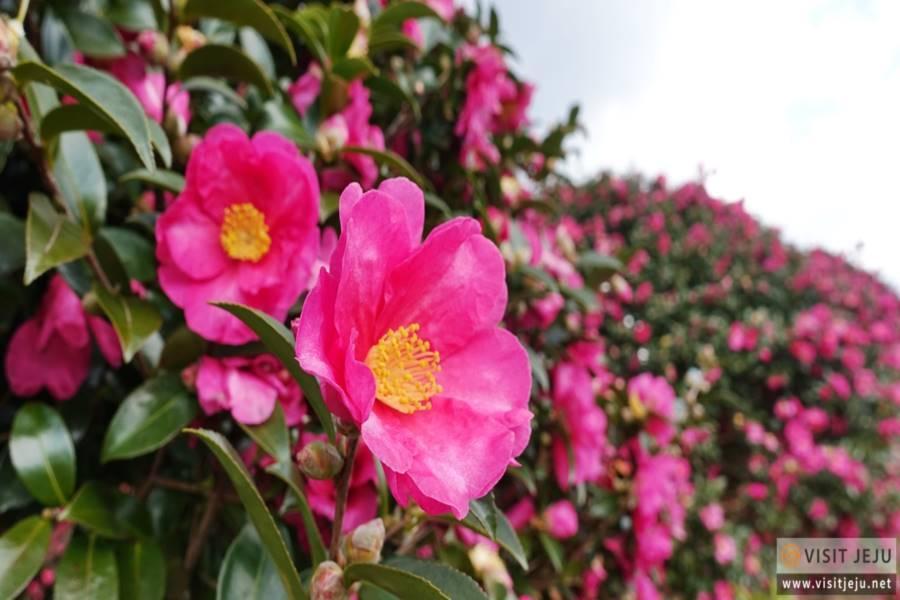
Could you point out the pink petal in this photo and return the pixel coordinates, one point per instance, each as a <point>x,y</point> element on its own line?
<point>453,285</point>
<point>24,369</point>
<point>211,386</point>
<point>61,313</point>
<point>252,399</point>
<point>413,201</point>
<point>107,340</point>
<point>190,239</point>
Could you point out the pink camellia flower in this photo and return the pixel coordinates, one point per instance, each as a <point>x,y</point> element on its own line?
<point>351,127</point>
<point>243,230</point>
<point>712,516</point>
<point>585,423</point>
<point>725,548</point>
<point>248,388</point>
<point>561,519</point>
<point>403,337</point>
<point>521,513</point>
<point>305,90</point>
<point>148,85</point>
<point>53,348</point>
<point>656,396</point>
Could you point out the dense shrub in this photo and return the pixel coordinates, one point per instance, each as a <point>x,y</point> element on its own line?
<point>233,367</point>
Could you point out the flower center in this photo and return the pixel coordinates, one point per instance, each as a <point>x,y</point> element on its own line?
<point>404,366</point>
<point>244,234</point>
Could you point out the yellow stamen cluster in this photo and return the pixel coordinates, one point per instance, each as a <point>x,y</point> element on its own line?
<point>244,234</point>
<point>404,366</point>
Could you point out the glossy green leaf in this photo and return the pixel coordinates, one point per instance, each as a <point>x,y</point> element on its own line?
<point>93,35</point>
<point>288,473</point>
<point>398,12</point>
<point>382,86</point>
<point>485,518</point>
<point>256,509</point>
<point>507,537</point>
<point>50,238</point>
<point>22,550</point>
<point>208,84</point>
<point>149,417</point>
<point>135,252</point>
<point>393,161</point>
<point>403,584</point>
<point>13,494</point>
<point>279,341</point>
<point>282,118</point>
<point>142,571</point>
<point>249,13</point>
<point>91,508</point>
<point>80,176</point>
<point>598,267</point>
<point>160,142</point>
<point>111,264</point>
<point>343,24</point>
<point>134,15</point>
<point>256,48</point>
<point>181,348</point>
<point>166,180</point>
<point>103,94</point>
<point>455,584</point>
<point>272,435</point>
<point>351,68</point>
<point>41,98</point>
<point>43,454</point>
<point>553,550</point>
<point>87,570</point>
<point>134,320</point>
<point>300,24</point>
<point>12,244</point>
<point>216,60</point>
<point>248,573</point>
<point>383,40</point>
<point>73,117</point>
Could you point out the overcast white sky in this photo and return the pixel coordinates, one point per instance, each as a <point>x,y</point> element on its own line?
<point>792,106</point>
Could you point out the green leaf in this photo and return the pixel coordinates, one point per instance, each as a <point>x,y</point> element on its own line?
<point>280,117</point>
<point>438,203</point>
<point>149,417</point>
<point>43,454</point>
<point>87,570</point>
<point>12,244</point>
<point>255,47</point>
<point>343,24</point>
<point>272,435</point>
<point>134,320</point>
<point>22,551</point>
<point>160,142</point>
<point>91,508</point>
<point>208,84</point>
<point>353,68</point>
<point>598,267</point>
<point>50,239</point>
<point>453,583</point>
<point>398,12</point>
<point>506,536</point>
<point>216,60</point>
<point>554,551</point>
<point>279,341</point>
<point>134,15</point>
<point>401,583</point>
<point>485,518</point>
<point>256,509</point>
<point>166,180</point>
<point>248,573</point>
<point>248,13</point>
<point>13,494</point>
<point>103,94</point>
<point>392,161</point>
<point>80,176</point>
<point>182,348</point>
<point>382,40</point>
<point>288,473</point>
<point>134,251</point>
<point>73,117</point>
<point>301,24</point>
<point>142,571</point>
<point>388,88</point>
<point>92,35</point>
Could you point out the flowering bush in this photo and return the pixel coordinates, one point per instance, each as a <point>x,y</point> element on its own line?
<point>295,304</point>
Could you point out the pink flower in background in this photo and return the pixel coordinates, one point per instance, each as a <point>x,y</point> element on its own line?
<point>243,230</point>
<point>725,548</point>
<point>818,509</point>
<point>360,133</point>
<point>561,519</point>
<point>741,337</point>
<point>514,108</point>
<point>657,397</point>
<point>444,8</point>
<point>712,516</point>
<point>413,31</point>
<point>248,388</point>
<point>305,90</point>
<point>148,86</point>
<point>521,513</point>
<point>53,348</point>
<point>585,424</point>
<point>403,337</point>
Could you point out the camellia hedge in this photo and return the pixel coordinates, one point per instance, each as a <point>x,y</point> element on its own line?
<point>296,304</point>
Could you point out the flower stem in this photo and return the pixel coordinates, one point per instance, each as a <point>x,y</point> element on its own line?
<point>343,490</point>
<point>23,10</point>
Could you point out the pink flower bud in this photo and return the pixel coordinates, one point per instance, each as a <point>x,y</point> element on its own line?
<point>327,582</point>
<point>561,520</point>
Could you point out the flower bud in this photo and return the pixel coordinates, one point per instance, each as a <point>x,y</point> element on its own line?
<point>183,147</point>
<point>331,137</point>
<point>10,31</point>
<point>364,544</point>
<point>320,460</point>
<point>327,582</point>
<point>10,124</point>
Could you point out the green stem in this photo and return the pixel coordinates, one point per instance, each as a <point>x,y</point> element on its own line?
<point>23,10</point>
<point>343,491</point>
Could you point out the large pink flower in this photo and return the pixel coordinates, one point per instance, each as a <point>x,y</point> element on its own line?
<point>243,230</point>
<point>248,388</point>
<point>53,349</point>
<point>403,336</point>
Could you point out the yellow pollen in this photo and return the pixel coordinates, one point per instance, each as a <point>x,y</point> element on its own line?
<point>404,366</point>
<point>244,234</point>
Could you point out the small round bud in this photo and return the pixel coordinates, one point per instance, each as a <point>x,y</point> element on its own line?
<point>320,460</point>
<point>364,544</point>
<point>10,123</point>
<point>327,582</point>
